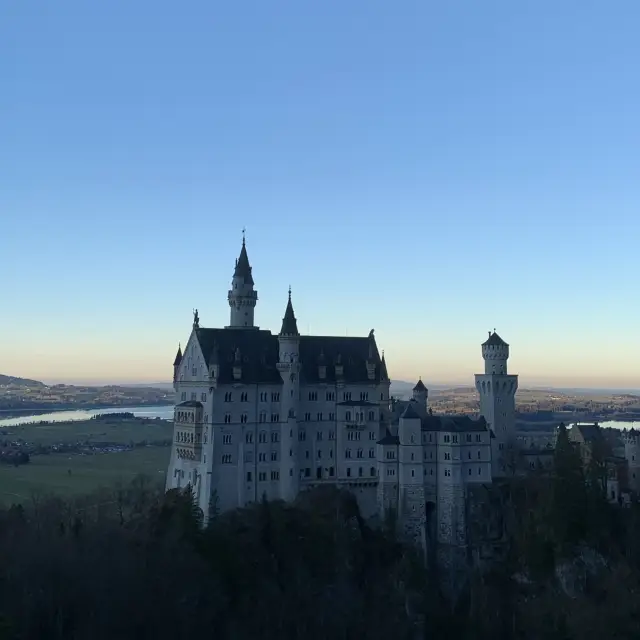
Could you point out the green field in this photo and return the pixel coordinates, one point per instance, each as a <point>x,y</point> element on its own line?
<point>123,431</point>
<point>70,473</point>
<point>50,474</point>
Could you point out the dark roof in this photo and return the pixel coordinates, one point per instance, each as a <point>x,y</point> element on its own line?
<point>389,439</point>
<point>494,341</point>
<point>590,432</point>
<point>190,403</point>
<point>178,359</point>
<point>243,268</point>
<point>258,352</point>
<point>454,424</point>
<point>289,324</point>
<point>383,369</point>
<point>420,386</point>
<point>351,353</point>
<point>358,403</point>
<point>410,412</point>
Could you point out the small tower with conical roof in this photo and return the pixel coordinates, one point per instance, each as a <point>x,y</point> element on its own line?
<point>289,368</point>
<point>497,390</point>
<point>242,295</point>
<point>176,366</point>
<point>420,394</point>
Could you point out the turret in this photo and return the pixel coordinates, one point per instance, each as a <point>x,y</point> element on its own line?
<point>242,296</point>
<point>420,394</point>
<point>495,352</point>
<point>289,368</point>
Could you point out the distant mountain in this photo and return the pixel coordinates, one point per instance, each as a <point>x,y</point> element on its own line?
<point>19,382</point>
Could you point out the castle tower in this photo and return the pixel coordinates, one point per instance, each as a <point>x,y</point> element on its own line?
<point>289,368</point>
<point>176,366</point>
<point>497,391</point>
<point>412,495</point>
<point>242,296</point>
<point>420,394</point>
<point>632,455</point>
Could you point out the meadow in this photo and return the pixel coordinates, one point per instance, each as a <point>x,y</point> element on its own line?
<point>71,473</point>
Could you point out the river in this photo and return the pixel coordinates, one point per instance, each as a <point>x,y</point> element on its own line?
<point>162,411</point>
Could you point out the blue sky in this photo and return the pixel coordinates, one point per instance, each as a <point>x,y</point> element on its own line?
<point>428,169</point>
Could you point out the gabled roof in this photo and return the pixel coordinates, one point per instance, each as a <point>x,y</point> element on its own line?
<point>420,386</point>
<point>178,358</point>
<point>494,340</point>
<point>289,323</point>
<point>410,413</point>
<point>590,432</point>
<point>389,439</point>
<point>454,424</point>
<point>243,268</point>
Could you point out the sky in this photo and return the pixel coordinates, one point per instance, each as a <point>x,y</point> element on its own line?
<point>432,169</point>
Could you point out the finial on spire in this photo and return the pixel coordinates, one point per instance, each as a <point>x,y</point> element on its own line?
<point>494,329</point>
<point>289,292</point>
<point>243,233</point>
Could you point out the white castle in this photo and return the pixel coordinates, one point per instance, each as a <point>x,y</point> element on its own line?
<point>260,414</point>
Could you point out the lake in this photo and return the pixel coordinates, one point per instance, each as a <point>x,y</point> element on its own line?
<point>163,411</point>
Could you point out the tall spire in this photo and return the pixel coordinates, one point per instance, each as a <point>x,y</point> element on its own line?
<point>242,296</point>
<point>178,358</point>
<point>289,322</point>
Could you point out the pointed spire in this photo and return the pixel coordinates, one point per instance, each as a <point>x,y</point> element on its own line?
<point>383,368</point>
<point>178,359</point>
<point>420,385</point>
<point>289,322</point>
<point>243,268</point>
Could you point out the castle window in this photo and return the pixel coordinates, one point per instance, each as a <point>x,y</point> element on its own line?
<point>183,396</point>
<point>307,472</point>
<point>359,453</point>
<point>330,396</point>
<point>331,472</point>
<point>479,455</point>
<point>319,416</point>
<point>348,415</point>
<point>372,435</point>
<point>413,473</point>
<point>262,457</point>
<point>331,453</point>
<point>318,435</point>
<point>348,472</point>
<point>447,456</point>
<point>372,416</point>
<point>243,418</point>
<point>307,417</point>
<point>372,453</point>
<point>372,472</point>
<point>332,435</point>
<point>346,396</point>
<point>306,454</point>
<point>332,416</point>
<point>194,371</point>
<point>227,396</point>
<point>391,455</point>
<point>263,396</point>
<point>347,453</point>
<point>249,476</point>
<point>193,395</point>
<point>469,455</point>
<point>468,437</point>
<point>360,472</point>
<point>226,459</point>
<point>275,417</point>
<point>469,470</point>
<point>275,397</point>
<point>431,437</point>
<point>244,397</point>
<point>319,456</point>
<point>274,456</point>
<point>313,395</point>
<point>262,476</point>
<point>455,439</point>
<point>412,457</point>
<point>206,418</point>
<point>447,472</point>
<point>203,397</point>
<point>364,396</point>
<point>226,439</point>
<point>501,446</point>
<point>275,436</point>
<point>262,417</point>
<point>302,435</point>
<point>391,472</point>
<point>319,473</point>
<point>431,472</point>
<point>479,471</point>
<point>413,440</point>
<point>227,418</point>
<point>262,437</point>
<point>447,438</point>
<point>249,438</point>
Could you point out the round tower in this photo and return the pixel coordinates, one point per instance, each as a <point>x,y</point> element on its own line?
<point>242,295</point>
<point>289,368</point>
<point>495,352</point>
<point>632,454</point>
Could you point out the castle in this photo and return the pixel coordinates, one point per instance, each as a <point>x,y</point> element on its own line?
<point>264,415</point>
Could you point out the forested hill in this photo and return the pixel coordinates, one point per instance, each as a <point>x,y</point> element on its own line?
<point>19,382</point>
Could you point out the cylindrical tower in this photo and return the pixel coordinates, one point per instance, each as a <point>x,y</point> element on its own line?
<point>495,352</point>
<point>242,296</point>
